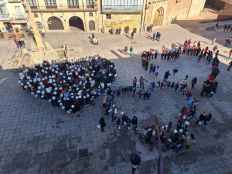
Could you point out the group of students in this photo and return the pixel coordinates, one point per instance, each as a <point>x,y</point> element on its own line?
<point>143,88</point>
<point>204,54</point>
<point>69,85</point>
<point>178,136</point>
<point>227,28</point>
<point>170,54</point>
<point>119,119</point>
<point>209,87</point>
<point>173,136</point>
<point>147,56</point>
<point>189,48</point>
<point>209,56</point>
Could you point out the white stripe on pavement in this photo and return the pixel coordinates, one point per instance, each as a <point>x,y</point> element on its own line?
<point>2,80</point>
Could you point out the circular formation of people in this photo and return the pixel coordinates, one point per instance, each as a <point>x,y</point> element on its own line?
<point>177,135</point>
<point>72,85</point>
<point>69,85</point>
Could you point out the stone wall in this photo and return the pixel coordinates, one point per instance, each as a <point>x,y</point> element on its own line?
<point>178,10</point>
<point>121,21</point>
<point>65,17</point>
<point>151,10</point>
<point>171,10</point>
<point>196,8</point>
<point>215,4</point>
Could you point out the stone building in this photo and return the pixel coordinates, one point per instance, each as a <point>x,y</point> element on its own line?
<point>115,16</point>
<point>223,8</point>
<point>12,15</point>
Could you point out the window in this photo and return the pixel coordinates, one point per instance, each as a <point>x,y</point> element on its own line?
<point>19,12</point>
<point>122,5</point>
<point>36,15</point>
<point>90,13</point>
<point>1,11</point>
<point>108,16</point>
<point>73,3</point>
<point>50,3</point>
<point>32,3</point>
<point>91,25</point>
<point>90,3</point>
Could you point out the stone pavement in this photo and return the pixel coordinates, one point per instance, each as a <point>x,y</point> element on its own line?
<point>109,45</point>
<point>202,29</point>
<point>36,138</point>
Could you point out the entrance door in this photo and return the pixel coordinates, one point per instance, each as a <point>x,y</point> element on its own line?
<point>159,17</point>
<point>91,25</point>
<point>54,23</point>
<point>76,22</point>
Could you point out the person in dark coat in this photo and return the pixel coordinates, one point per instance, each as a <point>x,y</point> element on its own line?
<point>208,118</point>
<point>135,160</point>
<point>176,86</point>
<point>230,65</point>
<point>134,122</point>
<point>134,83</point>
<point>174,71</point>
<point>194,82</point>
<point>158,35</point>
<point>166,75</point>
<point>202,118</point>
<point>118,122</point>
<point>102,124</point>
<point>205,89</point>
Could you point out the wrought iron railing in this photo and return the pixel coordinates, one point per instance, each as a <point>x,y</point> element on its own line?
<point>62,7</point>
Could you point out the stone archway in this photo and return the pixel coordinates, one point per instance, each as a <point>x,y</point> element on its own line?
<point>54,23</point>
<point>76,22</point>
<point>159,17</point>
<point>91,25</point>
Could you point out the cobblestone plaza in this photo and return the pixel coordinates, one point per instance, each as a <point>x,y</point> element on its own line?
<point>36,138</point>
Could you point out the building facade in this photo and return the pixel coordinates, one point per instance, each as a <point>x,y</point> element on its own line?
<point>65,15</point>
<point>12,15</point>
<point>115,16</point>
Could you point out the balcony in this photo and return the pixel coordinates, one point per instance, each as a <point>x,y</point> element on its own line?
<point>63,8</point>
<point>20,17</point>
<point>14,1</point>
<point>33,7</point>
<point>122,9</point>
<point>73,6</point>
<point>51,5</point>
<point>90,6</point>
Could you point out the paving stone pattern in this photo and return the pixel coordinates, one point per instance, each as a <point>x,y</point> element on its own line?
<point>36,138</point>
